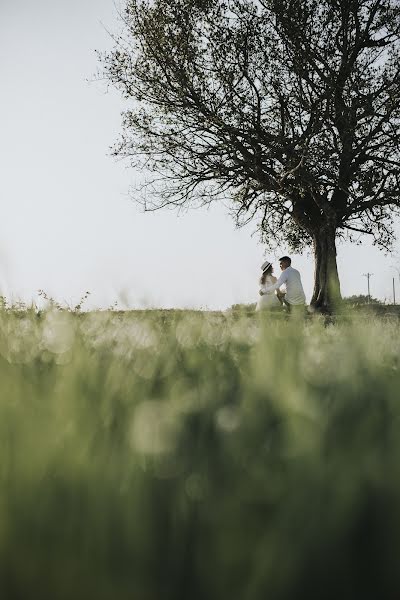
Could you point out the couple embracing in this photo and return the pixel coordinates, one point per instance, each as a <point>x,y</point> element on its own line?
<point>287,291</point>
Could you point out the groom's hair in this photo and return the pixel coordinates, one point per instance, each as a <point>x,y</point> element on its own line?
<point>286,259</point>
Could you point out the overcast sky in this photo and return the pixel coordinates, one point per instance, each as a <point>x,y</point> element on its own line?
<point>68,224</point>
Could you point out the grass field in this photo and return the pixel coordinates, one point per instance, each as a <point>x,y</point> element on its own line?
<point>198,456</point>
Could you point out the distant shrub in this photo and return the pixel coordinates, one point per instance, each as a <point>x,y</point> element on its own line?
<point>243,307</point>
<point>361,299</point>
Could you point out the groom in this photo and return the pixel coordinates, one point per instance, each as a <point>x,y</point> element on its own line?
<point>295,298</point>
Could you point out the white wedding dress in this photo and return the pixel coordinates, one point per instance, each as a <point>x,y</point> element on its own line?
<point>269,300</point>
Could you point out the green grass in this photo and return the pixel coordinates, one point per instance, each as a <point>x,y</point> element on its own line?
<point>166,455</point>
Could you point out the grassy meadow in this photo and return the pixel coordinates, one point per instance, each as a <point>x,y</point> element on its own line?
<point>177,455</point>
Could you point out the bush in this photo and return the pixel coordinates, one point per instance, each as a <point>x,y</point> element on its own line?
<point>361,300</point>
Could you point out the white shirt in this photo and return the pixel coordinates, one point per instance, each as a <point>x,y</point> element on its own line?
<point>294,289</point>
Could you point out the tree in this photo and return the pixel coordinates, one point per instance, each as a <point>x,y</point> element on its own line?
<point>289,108</point>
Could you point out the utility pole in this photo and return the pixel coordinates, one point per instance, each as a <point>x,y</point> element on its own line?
<point>398,273</point>
<point>368,276</point>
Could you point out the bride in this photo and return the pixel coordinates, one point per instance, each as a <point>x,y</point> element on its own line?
<point>269,300</point>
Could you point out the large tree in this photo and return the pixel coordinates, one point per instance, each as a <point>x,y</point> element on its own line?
<point>289,108</point>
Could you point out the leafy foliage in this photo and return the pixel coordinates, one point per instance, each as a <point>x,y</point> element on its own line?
<point>289,108</point>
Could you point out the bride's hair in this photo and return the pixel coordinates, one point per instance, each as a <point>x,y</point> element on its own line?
<point>264,275</point>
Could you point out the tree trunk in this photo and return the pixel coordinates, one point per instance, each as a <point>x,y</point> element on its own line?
<point>326,296</point>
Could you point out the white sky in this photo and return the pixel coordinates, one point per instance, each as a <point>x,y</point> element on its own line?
<point>68,224</point>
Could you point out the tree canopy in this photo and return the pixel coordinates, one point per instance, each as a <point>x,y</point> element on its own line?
<point>288,108</point>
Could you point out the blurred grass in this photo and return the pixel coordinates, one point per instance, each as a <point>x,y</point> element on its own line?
<point>183,456</point>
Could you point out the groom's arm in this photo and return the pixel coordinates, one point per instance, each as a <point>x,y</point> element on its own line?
<point>270,288</point>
